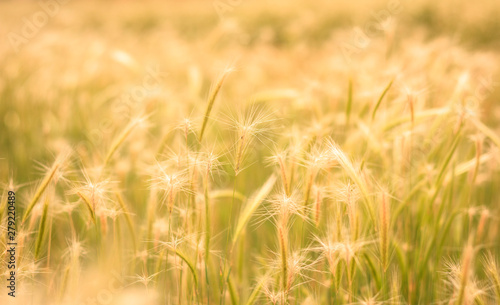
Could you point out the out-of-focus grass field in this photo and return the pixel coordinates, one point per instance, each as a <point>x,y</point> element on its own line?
<point>251,152</point>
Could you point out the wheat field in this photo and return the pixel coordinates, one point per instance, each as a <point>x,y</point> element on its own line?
<point>249,152</point>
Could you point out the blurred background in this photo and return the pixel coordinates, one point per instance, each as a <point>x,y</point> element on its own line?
<point>58,58</point>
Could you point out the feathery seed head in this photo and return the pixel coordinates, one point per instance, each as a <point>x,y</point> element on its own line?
<point>347,193</point>
<point>171,183</point>
<point>461,277</point>
<point>254,124</point>
<point>298,266</point>
<point>75,249</point>
<point>95,194</point>
<point>144,278</point>
<point>335,250</point>
<point>210,163</point>
<point>285,206</point>
<point>186,126</point>
<point>275,297</point>
<point>318,159</point>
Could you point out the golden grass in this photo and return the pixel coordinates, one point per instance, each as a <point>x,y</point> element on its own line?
<point>328,168</point>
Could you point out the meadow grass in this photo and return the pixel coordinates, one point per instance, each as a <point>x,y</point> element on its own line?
<point>256,163</point>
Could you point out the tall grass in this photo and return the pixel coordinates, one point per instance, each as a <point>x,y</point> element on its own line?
<point>305,178</point>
